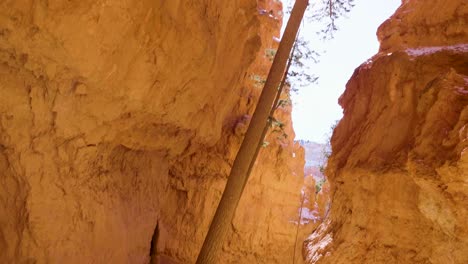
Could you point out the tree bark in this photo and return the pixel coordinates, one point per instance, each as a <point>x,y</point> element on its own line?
<point>221,224</point>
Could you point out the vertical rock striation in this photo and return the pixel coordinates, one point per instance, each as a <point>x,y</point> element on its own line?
<point>119,121</point>
<point>399,168</point>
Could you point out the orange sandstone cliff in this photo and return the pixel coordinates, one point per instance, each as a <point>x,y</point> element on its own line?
<point>399,168</point>
<point>119,122</point>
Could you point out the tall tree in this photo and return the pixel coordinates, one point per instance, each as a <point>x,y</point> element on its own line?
<point>221,224</point>
<point>323,15</point>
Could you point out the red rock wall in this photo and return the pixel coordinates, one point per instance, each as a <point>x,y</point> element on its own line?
<point>399,166</point>
<point>121,119</point>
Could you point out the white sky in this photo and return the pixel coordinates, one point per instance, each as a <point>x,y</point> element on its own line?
<point>315,108</point>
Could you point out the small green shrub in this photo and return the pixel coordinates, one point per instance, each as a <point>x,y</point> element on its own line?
<point>259,80</point>
<point>270,54</point>
<point>284,102</point>
<point>319,184</point>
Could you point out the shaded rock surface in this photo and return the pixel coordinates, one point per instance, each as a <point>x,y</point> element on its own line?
<point>399,168</point>
<point>119,121</point>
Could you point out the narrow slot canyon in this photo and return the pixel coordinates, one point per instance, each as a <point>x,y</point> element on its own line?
<point>120,122</point>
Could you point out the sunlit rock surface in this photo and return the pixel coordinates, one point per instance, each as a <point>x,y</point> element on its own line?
<point>119,123</point>
<point>399,168</point>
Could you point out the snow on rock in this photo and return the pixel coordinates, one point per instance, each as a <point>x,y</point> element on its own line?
<point>423,51</point>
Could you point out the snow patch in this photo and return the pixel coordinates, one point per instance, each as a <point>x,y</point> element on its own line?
<point>422,51</point>
<point>461,90</point>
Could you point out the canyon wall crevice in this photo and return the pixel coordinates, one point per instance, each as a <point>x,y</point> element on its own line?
<point>398,170</point>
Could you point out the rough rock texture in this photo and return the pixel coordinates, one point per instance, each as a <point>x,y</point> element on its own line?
<point>316,192</point>
<point>399,168</point>
<point>119,121</point>
<point>314,208</point>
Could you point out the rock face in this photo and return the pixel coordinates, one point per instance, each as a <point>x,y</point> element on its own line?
<point>399,168</point>
<point>119,121</point>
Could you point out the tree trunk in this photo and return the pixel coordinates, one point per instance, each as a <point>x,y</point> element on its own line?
<point>221,224</point>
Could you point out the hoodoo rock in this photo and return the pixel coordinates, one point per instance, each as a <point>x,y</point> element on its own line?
<point>399,168</point>
<point>119,123</point>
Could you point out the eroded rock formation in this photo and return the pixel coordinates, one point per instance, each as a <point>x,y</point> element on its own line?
<point>119,121</point>
<point>399,168</point>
